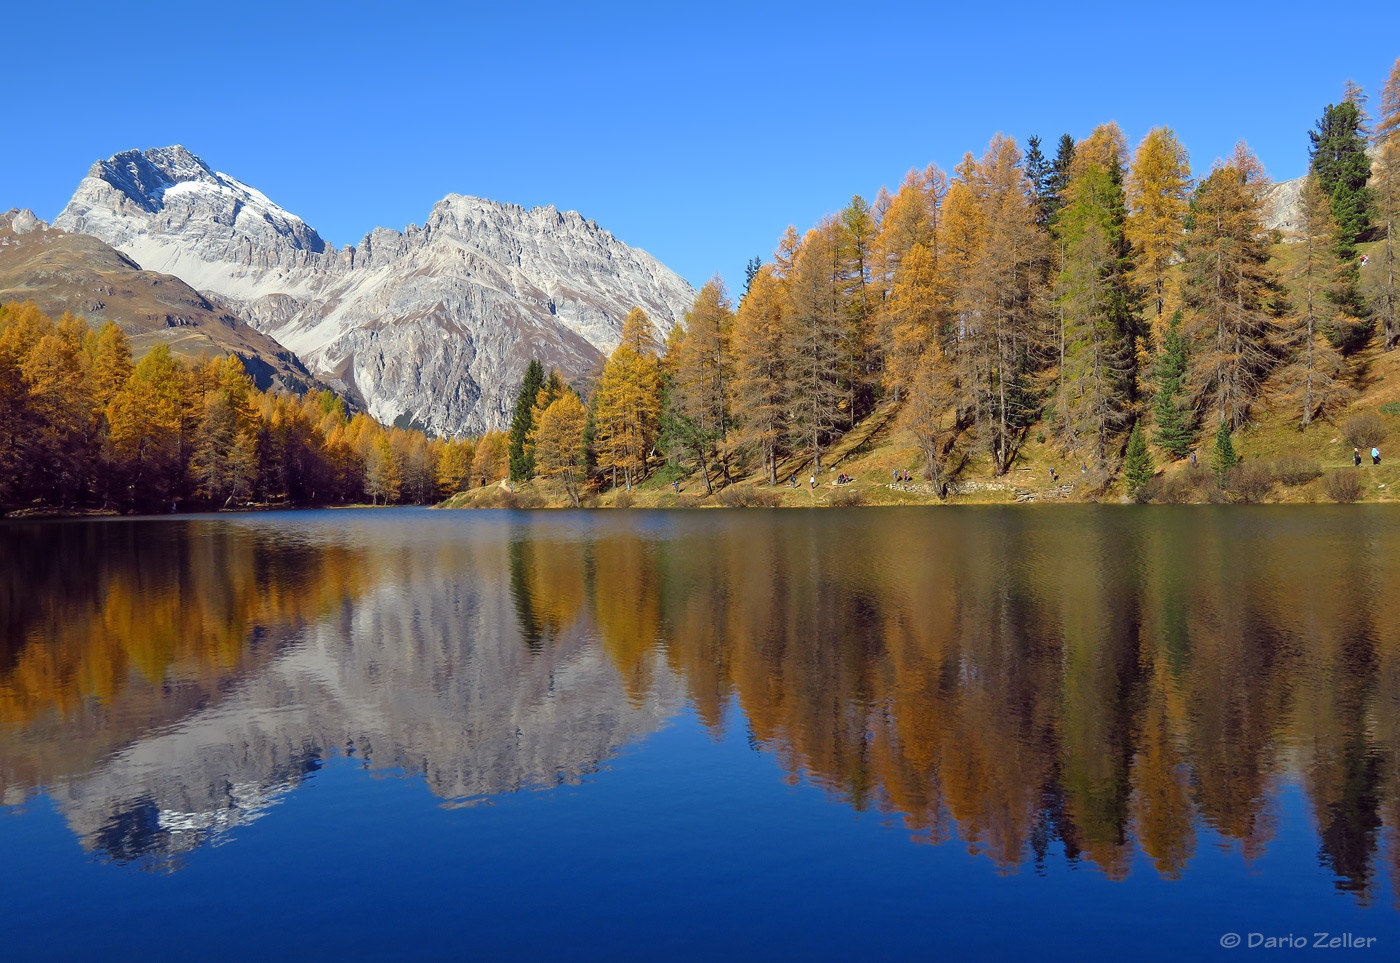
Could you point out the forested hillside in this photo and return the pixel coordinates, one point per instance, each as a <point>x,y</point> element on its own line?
<point>83,427</point>
<point>1069,298</point>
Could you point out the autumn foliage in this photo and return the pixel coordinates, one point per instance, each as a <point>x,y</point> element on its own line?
<point>82,425</point>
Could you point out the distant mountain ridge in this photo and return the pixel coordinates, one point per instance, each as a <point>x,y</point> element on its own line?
<point>72,272</point>
<point>430,326</point>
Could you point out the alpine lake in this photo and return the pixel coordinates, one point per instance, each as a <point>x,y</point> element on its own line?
<point>1061,733</point>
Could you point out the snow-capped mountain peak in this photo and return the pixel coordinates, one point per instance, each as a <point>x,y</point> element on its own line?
<point>431,325</point>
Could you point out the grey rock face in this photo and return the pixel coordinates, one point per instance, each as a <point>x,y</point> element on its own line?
<point>431,325</point>
<point>23,222</point>
<point>1284,207</point>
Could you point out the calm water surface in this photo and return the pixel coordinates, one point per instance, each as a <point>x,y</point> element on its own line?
<point>1069,732</point>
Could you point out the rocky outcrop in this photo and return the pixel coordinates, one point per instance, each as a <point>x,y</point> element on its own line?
<point>430,326</point>
<point>1284,207</point>
<point>73,272</point>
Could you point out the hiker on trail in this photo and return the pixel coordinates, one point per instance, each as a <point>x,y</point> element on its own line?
<point>1356,457</point>
<point>894,474</point>
<point>1193,459</point>
<point>677,486</point>
<point>1375,456</point>
<point>1052,474</point>
<point>812,482</point>
<point>794,479</point>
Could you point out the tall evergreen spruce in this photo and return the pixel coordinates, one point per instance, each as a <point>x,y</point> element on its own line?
<point>750,272</point>
<point>1339,161</point>
<point>522,463</point>
<point>1053,197</point>
<point>1137,466</point>
<point>1173,429</point>
<point>1038,171</point>
<point>1342,168</point>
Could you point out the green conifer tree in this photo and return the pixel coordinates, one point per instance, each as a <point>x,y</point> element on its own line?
<point>1137,466</point>
<point>1038,171</point>
<point>1338,158</point>
<point>1052,198</point>
<point>1223,457</point>
<point>522,462</point>
<point>1173,429</point>
<point>1339,161</point>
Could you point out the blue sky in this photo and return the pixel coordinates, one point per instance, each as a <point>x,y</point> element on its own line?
<point>696,132</point>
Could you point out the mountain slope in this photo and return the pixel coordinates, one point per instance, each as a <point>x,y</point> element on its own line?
<point>431,325</point>
<point>73,272</point>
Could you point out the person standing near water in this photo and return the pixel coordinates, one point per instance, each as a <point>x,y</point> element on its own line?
<point>812,483</point>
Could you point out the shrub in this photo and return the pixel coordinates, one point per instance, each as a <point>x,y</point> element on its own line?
<point>588,501</point>
<point>1391,408</point>
<point>622,500</point>
<point>1297,469</point>
<point>1343,486</point>
<point>1364,431</point>
<point>1180,487</point>
<point>1251,480</point>
<point>747,496</point>
<point>847,498</point>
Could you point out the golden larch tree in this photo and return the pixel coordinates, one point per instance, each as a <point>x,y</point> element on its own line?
<point>1158,186</point>
<point>628,400</point>
<point>762,331</point>
<point>1312,381</point>
<point>1228,288</point>
<point>558,440</point>
<point>1385,189</point>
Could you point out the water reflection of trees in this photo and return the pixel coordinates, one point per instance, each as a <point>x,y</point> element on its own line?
<point>1093,682</point>
<point>167,682</point>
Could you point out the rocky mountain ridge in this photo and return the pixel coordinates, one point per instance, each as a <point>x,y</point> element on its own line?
<point>430,326</point>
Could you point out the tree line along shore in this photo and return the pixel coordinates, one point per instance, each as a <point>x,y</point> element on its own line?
<point>1100,324</point>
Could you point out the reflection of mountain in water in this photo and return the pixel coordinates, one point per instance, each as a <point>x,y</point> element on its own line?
<point>418,667</point>
<point>1091,683</point>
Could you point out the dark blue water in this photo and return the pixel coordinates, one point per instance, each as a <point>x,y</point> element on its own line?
<point>1070,733</point>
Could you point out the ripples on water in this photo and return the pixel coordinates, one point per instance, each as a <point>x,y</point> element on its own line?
<point>1118,691</point>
